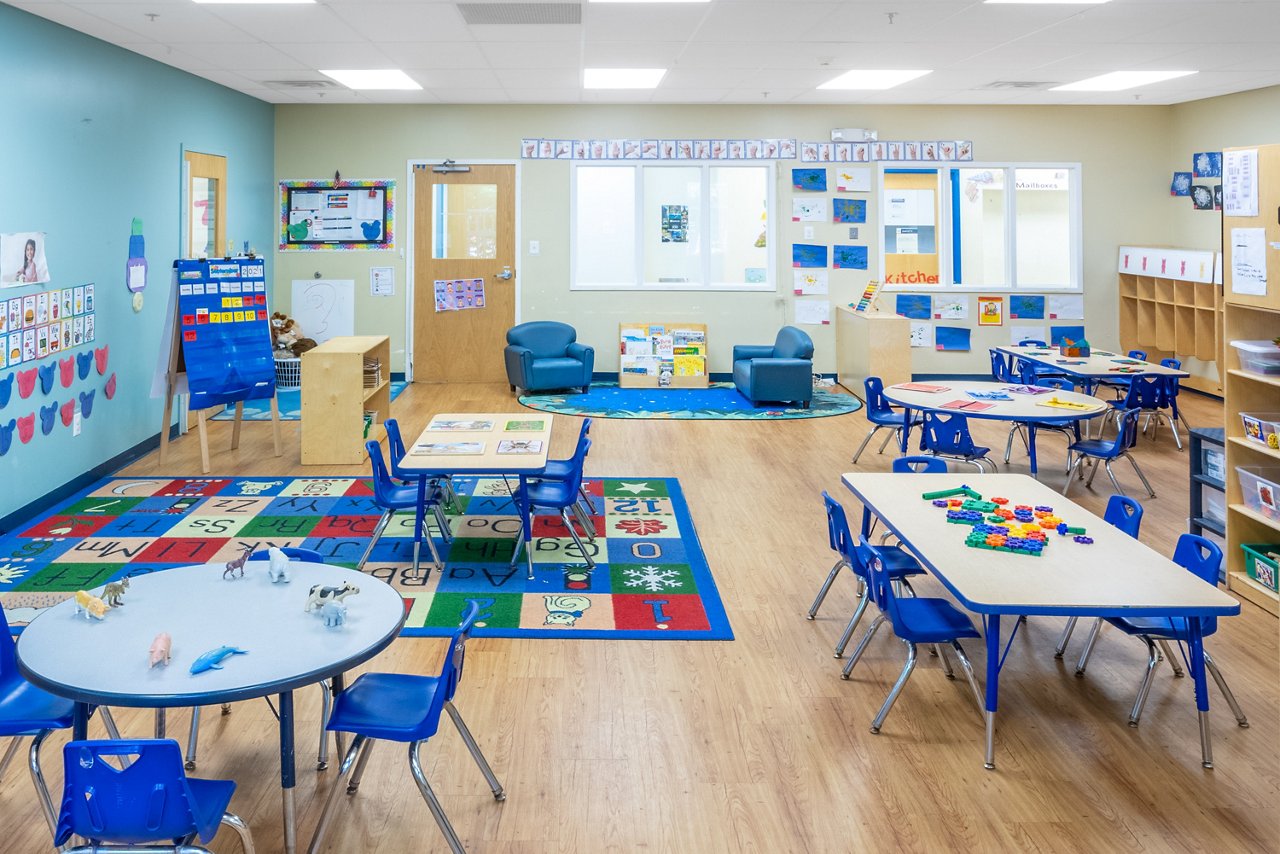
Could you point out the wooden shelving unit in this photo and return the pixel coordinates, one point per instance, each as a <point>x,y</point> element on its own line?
<point>871,345</point>
<point>1251,317</point>
<point>692,355</point>
<point>335,398</point>
<point>1171,306</point>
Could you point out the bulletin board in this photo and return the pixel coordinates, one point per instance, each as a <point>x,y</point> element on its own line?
<point>316,215</point>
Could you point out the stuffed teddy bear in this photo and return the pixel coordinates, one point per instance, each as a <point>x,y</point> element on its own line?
<point>287,337</point>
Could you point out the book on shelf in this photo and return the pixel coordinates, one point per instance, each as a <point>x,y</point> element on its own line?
<point>459,425</point>
<point>372,372</point>
<point>520,446</point>
<point>448,449</point>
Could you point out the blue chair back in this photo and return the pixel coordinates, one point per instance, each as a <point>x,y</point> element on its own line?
<point>877,405</point>
<point>147,801</point>
<point>451,669</point>
<point>383,486</point>
<point>545,338</point>
<point>1126,433</point>
<point>1138,354</point>
<point>792,343</point>
<point>292,553</point>
<point>1022,371</point>
<point>395,441</point>
<point>1060,383</point>
<point>1175,364</point>
<point>922,465</point>
<point>1204,558</point>
<point>999,366</point>
<point>1147,392</point>
<point>879,587</point>
<point>1124,513</point>
<point>948,433</point>
<point>838,534</point>
<point>1031,342</point>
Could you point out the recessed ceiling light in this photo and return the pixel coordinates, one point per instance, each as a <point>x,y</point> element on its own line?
<point>377,78</point>
<point>251,2</point>
<point>872,79</point>
<point>622,78</point>
<point>1117,80</point>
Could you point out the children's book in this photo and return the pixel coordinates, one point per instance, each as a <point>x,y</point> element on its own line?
<point>925,387</point>
<point>968,405</point>
<point>525,426</point>
<point>448,425</point>
<point>520,446</point>
<point>448,449</point>
<point>1027,389</point>
<point>988,395</point>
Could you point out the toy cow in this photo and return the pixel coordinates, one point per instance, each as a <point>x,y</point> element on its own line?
<point>237,563</point>
<point>334,614</point>
<point>90,605</point>
<point>277,566</point>
<point>160,649</point>
<point>320,596</point>
<point>113,593</point>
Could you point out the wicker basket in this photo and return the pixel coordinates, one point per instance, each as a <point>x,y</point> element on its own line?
<point>288,374</point>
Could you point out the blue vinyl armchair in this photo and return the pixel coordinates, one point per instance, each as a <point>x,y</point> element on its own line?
<point>544,354</point>
<point>783,371</point>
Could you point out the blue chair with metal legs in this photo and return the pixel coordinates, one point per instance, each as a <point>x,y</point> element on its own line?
<point>947,435</point>
<point>919,465</point>
<point>915,620</point>
<point>148,800</point>
<point>1123,513</point>
<point>1066,426</point>
<point>882,415</point>
<point>562,470</point>
<point>404,707</point>
<point>1105,451</point>
<point>439,487</point>
<point>26,710</point>
<point>1154,396</point>
<point>559,495</point>
<point>901,566</point>
<point>1173,416</point>
<point>1120,384</point>
<point>1031,342</point>
<point>391,498</point>
<point>1203,558</point>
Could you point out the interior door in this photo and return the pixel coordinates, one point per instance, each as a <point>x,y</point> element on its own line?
<point>464,230</point>
<point>206,204</point>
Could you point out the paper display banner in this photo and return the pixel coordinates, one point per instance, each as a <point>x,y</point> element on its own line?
<point>951,338</point>
<point>849,257</point>
<point>853,179</point>
<point>1066,308</point>
<point>914,306</point>
<point>22,259</point>
<point>926,150</point>
<point>1026,307</point>
<point>811,180</point>
<point>810,282</point>
<point>990,311</point>
<point>1058,334</point>
<point>813,312</point>
<point>658,149</point>
<point>950,308</point>
<point>808,255</point>
<point>922,335</point>
<point>807,209</point>
<point>459,294</point>
<point>848,210</point>
<point>1018,334</point>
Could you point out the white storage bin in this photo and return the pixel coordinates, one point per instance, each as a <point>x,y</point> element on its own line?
<point>1260,357</point>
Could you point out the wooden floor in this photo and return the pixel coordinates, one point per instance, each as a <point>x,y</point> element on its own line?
<point>756,745</point>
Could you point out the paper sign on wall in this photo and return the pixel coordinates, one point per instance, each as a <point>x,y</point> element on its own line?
<point>813,312</point>
<point>810,282</point>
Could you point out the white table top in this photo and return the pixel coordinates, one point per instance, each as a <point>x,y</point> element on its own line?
<point>1023,407</point>
<point>1098,364</point>
<point>1115,576</point>
<point>490,461</point>
<point>107,661</point>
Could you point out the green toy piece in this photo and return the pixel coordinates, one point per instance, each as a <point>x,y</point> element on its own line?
<point>945,493</point>
<point>980,506</point>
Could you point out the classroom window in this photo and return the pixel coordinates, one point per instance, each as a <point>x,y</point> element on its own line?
<point>982,227</point>
<point>673,227</point>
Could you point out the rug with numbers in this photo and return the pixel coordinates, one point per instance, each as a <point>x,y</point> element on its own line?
<point>651,579</point>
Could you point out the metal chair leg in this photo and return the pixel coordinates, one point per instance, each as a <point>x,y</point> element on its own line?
<point>1071,474</point>
<point>237,824</point>
<point>1142,477</point>
<point>897,688</point>
<point>193,738</point>
<point>887,437</point>
<point>941,652</point>
<point>1135,714</point>
<point>826,586</point>
<point>37,779</point>
<point>415,767</point>
<point>564,516</point>
<point>864,596</point>
<point>865,440</point>
<point>1066,637</point>
<point>862,646</point>
<point>1115,483</point>
<point>322,826</point>
<point>967,666</point>
<point>1088,647</point>
<point>326,705</point>
<point>442,522</point>
<point>476,754</point>
<point>584,520</point>
<point>1173,427</point>
<point>1209,664</point>
<point>353,785</point>
<point>1170,657</point>
<point>377,534</point>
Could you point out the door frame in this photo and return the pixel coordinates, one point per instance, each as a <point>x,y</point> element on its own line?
<point>411,205</point>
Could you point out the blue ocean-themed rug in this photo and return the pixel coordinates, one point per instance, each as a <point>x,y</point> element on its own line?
<point>651,579</point>
<point>720,400</point>
<point>290,403</point>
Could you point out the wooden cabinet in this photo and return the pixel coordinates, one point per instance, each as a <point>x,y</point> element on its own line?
<point>871,345</point>
<point>336,397</point>
<point>1251,317</point>
<point>1171,305</point>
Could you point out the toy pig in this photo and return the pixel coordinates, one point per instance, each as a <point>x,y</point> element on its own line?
<point>160,648</point>
<point>277,566</point>
<point>334,614</point>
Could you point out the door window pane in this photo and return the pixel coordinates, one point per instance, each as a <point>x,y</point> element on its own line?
<point>604,240</point>
<point>203,217</point>
<point>1043,227</point>
<point>739,225</point>
<point>465,221</point>
<point>979,212</point>
<point>673,225</point>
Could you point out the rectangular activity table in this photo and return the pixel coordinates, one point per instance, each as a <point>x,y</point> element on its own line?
<point>1115,576</point>
<point>1098,365</point>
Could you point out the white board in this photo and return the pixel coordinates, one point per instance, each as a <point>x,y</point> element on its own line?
<point>324,308</point>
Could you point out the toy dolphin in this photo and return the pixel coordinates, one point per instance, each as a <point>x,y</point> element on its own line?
<point>209,661</point>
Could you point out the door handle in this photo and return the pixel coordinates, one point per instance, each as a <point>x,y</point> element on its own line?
<point>505,275</point>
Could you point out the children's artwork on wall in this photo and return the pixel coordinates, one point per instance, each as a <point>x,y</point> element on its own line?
<point>1207,164</point>
<point>1070,307</point>
<point>914,306</point>
<point>848,210</point>
<point>951,338</point>
<point>813,312</point>
<point>808,209</point>
<point>1026,307</point>
<point>853,179</point>
<point>755,275</point>
<point>808,255</point>
<point>849,257</point>
<point>1217,197</point>
<point>990,311</point>
<point>950,308</point>
<point>922,335</point>
<point>810,282</point>
<point>1018,334</point>
<point>459,294</point>
<point>1181,184</point>
<point>135,268</point>
<point>1058,333</point>
<point>22,259</point>
<point>1202,197</point>
<point>811,180</point>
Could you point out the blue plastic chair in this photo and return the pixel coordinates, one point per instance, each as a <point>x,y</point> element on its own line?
<point>1065,426</point>
<point>947,435</point>
<point>1031,342</point>
<point>444,483</point>
<point>882,415</point>
<point>1123,513</point>
<point>557,495</point>
<point>1203,558</point>
<point>919,465</point>
<point>392,497</point>
<point>901,566</point>
<point>1174,386</point>
<point>28,710</point>
<point>1154,396</point>
<point>1000,362</point>
<point>1105,451</point>
<point>406,708</point>
<point>914,620</point>
<point>562,470</point>
<point>149,800</point>
<point>1120,384</point>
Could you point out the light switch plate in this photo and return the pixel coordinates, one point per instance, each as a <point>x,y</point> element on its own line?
<point>808,232</point>
<point>535,247</point>
<point>75,424</point>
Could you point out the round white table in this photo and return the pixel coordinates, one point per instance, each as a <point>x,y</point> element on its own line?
<point>107,662</point>
<point>1023,408</point>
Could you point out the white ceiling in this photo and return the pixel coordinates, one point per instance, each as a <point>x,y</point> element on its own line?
<point>726,51</point>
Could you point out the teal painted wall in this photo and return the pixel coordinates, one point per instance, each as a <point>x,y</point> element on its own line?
<point>93,137</point>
